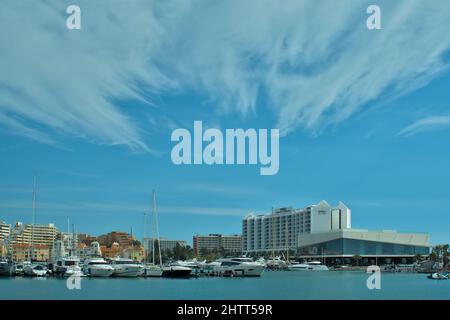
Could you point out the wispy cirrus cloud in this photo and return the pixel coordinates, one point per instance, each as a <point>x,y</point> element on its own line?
<point>426,124</point>
<point>97,208</point>
<point>317,64</point>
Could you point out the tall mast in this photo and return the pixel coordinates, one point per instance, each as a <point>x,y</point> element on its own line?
<point>68,235</point>
<point>31,247</point>
<point>143,237</point>
<point>156,226</point>
<point>74,242</point>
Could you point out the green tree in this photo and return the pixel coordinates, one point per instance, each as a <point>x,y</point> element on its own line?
<point>179,252</point>
<point>356,258</point>
<point>433,256</point>
<point>445,256</point>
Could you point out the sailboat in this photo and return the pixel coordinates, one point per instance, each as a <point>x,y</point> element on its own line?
<point>153,270</point>
<point>34,269</point>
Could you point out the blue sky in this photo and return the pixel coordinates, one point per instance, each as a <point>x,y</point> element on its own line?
<point>364,114</point>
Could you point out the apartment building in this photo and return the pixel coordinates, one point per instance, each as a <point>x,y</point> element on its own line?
<point>229,244</point>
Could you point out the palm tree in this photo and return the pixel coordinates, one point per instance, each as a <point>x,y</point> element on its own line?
<point>418,258</point>
<point>433,256</point>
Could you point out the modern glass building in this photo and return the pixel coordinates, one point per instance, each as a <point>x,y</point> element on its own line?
<point>385,246</point>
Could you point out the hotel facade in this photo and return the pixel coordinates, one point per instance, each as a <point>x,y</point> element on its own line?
<point>324,231</point>
<point>229,244</point>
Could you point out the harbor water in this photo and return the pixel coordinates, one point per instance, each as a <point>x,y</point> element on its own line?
<point>271,285</point>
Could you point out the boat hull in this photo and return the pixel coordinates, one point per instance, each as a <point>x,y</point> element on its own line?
<point>35,272</point>
<point>7,271</point>
<point>305,267</point>
<point>153,271</point>
<point>99,272</point>
<point>176,272</point>
<point>240,271</point>
<point>127,271</point>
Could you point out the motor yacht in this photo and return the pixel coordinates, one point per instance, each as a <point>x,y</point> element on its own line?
<point>176,271</point>
<point>67,267</point>
<point>238,267</point>
<point>274,263</point>
<point>35,270</point>
<point>97,267</point>
<point>308,266</point>
<point>18,269</point>
<point>6,268</point>
<point>126,268</point>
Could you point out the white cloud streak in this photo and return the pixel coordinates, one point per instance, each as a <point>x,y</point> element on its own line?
<point>315,62</point>
<point>88,208</point>
<point>426,124</point>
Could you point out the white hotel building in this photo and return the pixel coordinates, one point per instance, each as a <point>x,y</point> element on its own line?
<point>325,231</point>
<point>281,229</point>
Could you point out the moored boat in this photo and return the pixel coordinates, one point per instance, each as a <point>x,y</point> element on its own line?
<point>308,266</point>
<point>97,267</point>
<point>438,276</point>
<point>152,270</point>
<point>35,270</point>
<point>123,267</point>
<point>6,268</point>
<point>175,271</point>
<point>238,267</point>
<point>67,267</point>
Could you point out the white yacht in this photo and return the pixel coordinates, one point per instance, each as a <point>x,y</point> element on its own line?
<point>67,267</point>
<point>97,267</point>
<point>126,268</point>
<point>274,263</point>
<point>35,270</point>
<point>238,267</point>
<point>308,266</point>
<point>18,269</point>
<point>176,271</point>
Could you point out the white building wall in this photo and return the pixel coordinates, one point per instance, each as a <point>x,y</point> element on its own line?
<point>321,217</point>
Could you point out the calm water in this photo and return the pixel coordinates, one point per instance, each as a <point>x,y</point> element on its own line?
<point>271,285</point>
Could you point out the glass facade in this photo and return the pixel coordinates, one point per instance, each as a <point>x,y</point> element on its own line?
<point>361,247</point>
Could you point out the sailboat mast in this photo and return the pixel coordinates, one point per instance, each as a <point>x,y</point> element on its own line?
<point>156,227</point>
<point>68,235</point>
<point>74,242</point>
<point>153,230</point>
<point>31,247</point>
<point>143,237</point>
